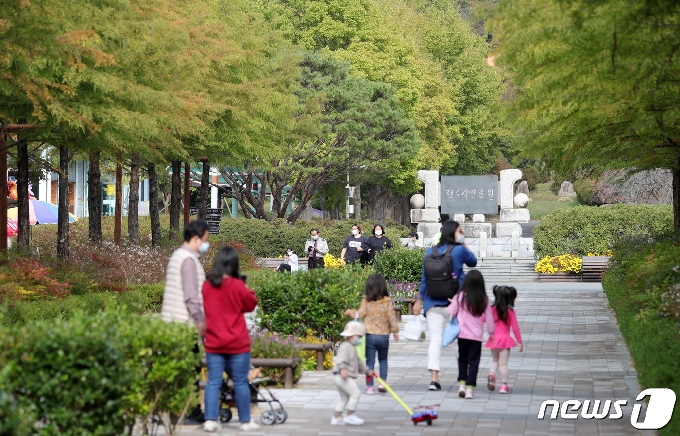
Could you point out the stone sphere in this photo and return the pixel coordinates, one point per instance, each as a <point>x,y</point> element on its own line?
<point>417,201</point>
<point>521,201</point>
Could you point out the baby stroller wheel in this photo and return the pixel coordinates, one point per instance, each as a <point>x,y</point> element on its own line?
<point>268,417</point>
<point>225,415</point>
<point>281,416</point>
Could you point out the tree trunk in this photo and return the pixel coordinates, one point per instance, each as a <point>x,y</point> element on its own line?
<point>153,206</point>
<point>357,202</point>
<point>63,242</point>
<point>187,192</point>
<point>375,208</point>
<point>205,187</point>
<point>94,198</point>
<point>23,237</point>
<point>133,201</point>
<point>676,197</point>
<point>175,199</point>
<point>118,216</point>
<point>385,205</point>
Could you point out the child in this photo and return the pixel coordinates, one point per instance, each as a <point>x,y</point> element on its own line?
<point>504,317</point>
<point>380,321</point>
<point>471,305</point>
<point>347,367</point>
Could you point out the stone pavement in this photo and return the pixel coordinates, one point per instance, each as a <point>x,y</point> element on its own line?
<point>574,350</point>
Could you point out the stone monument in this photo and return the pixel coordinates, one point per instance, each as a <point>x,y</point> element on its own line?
<point>427,216</point>
<point>510,216</point>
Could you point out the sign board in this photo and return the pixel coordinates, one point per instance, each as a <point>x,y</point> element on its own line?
<point>470,194</point>
<point>212,216</point>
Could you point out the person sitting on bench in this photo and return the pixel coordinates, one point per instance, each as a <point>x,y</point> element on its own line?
<point>290,262</point>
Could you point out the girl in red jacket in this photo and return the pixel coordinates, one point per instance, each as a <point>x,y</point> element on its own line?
<point>227,342</point>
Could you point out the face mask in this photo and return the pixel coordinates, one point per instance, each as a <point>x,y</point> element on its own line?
<point>289,253</point>
<point>378,232</point>
<point>460,239</point>
<point>204,247</point>
<point>358,341</point>
<point>315,237</point>
<point>355,231</point>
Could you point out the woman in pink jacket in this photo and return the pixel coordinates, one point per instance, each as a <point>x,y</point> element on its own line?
<point>471,305</point>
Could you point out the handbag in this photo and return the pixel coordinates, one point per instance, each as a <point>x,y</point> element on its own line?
<point>414,330</point>
<point>451,332</point>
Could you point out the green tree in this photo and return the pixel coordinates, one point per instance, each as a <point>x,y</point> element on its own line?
<point>595,83</point>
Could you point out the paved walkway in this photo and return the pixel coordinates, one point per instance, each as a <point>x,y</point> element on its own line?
<point>574,350</point>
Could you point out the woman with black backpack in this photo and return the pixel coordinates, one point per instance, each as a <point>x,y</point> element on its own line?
<point>442,276</point>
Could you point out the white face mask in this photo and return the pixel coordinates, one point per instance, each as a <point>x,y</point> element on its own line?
<point>460,238</point>
<point>355,231</point>
<point>204,247</point>
<point>289,253</point>
<point>378,232</point>
<point>315,237</point>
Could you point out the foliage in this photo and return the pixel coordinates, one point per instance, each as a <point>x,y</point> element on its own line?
<point>641,286</point>
<point>544,202</point>
<point>268,345</point>
<point>565,263</point>
<point>25,279</point>
<point>95,374</point>
<point>271,238</point>
<point>532,176</point>
<point>402,289</point>
<point>309,356</point>
<point>588,229</point>
<point>594,82</point>
<point>585,188</point>
<point>292,304</point>
<point>400,264</point>
<point>15,420</point>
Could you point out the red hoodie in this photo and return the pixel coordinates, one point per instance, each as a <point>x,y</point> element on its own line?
<point>226,331</point>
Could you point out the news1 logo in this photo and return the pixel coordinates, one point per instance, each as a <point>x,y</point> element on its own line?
<point>659,409</point>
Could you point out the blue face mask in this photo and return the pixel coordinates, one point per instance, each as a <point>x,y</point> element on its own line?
<point>204,247</point>
<point>358,341</point>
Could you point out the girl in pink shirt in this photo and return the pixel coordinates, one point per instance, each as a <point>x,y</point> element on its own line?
<point>504,318</point>
<point>471,305</point>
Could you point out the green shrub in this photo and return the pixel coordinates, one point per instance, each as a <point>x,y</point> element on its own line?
<point>585,188</point>
<point>587,229</point>
<point>271,238</point>
<point>291,304</point>
<point>400,264</point>
<point>641,275</point>
<point>15,420</point>
<point>97,374</point>
<point>532,176</point>
<point>268,345</point>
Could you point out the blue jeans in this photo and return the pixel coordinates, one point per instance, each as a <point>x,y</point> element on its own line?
<point>379,344</point>
<point>237,366</point>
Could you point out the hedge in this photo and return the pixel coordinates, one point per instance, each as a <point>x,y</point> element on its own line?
<point>643,288</point>
<point>401,264</point>
<point>588,229</point>
<point>271,238</point>
<point>292,304</point>
<point>98,374</point>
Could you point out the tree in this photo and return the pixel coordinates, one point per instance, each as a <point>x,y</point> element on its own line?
<point>595,83</point>
<point>360,129</point>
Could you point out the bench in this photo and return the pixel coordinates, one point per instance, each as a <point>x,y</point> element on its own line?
<point>408,301</point>
<point>320,351</point>
<point>288,365</point>
<point>274,262</point>
<point>397,311</point>
<point>593,267</point>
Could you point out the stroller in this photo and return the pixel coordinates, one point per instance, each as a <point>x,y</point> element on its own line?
<point>275,415</point>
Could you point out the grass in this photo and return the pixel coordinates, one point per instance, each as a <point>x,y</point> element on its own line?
<point>544,202</point>
<point>640,290</point>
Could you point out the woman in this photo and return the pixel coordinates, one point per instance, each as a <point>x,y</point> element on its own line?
<point>355,247</point>
<point>434,308</point>
<point>290,262</point>
<point>227,342</point>
<point>413,241</point>
<point>377,242</point>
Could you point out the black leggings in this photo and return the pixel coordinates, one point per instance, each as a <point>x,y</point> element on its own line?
<point>283,267</point>
<point>469,354</point>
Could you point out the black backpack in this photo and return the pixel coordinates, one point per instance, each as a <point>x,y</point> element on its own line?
<point>441,281</point>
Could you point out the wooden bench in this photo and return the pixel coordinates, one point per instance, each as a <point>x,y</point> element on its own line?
<point>408,301</point>
<point>593,267</point>
<point>320,351</point>
<point>274,262</point>
<point>288,365</point>
<point>397,311</point>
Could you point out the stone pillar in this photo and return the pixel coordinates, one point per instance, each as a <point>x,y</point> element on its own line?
<point>482,244</point>
<point>427,217</point>
<point>508,179</point>
<point>478,218</point>
<point>459,217</point>
<point>515,244</point>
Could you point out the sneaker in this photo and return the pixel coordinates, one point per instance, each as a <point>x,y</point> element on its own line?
<point>370,391</point>
<point>381,388</point>
<point>434,386</point>
<point>337,421</point>
<point>246,426</point>
<point>353,419</point>
<point>491,381</point>
<point>503,389</point>
<point>468,394</point>
<point>461,390</point>
<point>212,426</point>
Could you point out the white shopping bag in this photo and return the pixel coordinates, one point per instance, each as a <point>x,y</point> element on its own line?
<point>415,329</point>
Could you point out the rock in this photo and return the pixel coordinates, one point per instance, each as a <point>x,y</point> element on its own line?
<point>567,190</point>
<point>646,187</point>
<point>507,229</point>
<point>523,188</point>
<point>515,215</point>
<point>508,179</point>
<point>417,201</point>
<point>521,201</point>
<point>425,215</point>
<point>459,218</point>
<point>473,230</point>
